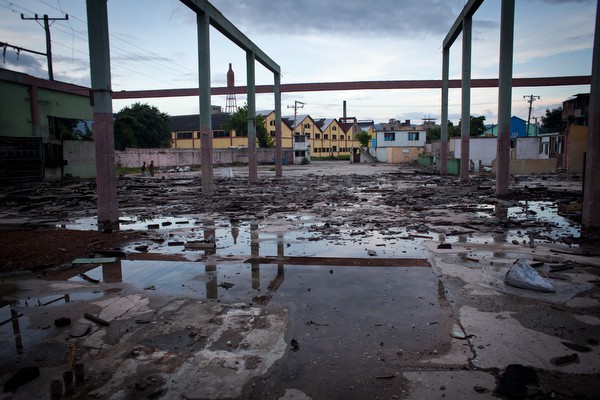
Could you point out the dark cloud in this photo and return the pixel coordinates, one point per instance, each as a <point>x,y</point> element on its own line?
<point>350,17</point>
<point>24,62</point>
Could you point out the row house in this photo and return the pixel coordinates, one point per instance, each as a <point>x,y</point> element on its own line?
<point>324,137</point>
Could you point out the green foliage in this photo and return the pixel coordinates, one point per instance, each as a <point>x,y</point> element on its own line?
<point>435,134</point>
<point>364,138</point>
<point>142,126</point>
<point>476,128</point>
<point>552,121</point>
<point>69,129</point>
<point>238,122</point>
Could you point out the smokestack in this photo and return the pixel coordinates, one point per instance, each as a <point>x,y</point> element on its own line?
<point>344,113</point>
<point>230,77</point>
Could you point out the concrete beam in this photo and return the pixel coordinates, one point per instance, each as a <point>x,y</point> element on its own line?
<point>444,122</point>
<point>468,10</point>
<point>507,22</point>
<point>359,85</point>
<point>203,93</point>
<point>465,120</point>
<point>104,139</point>
<point>229,30</point>
<point>591,193</point>
<point>250,77</point>
<point>278,139</point>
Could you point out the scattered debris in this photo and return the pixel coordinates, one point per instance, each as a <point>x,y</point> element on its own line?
<point>79,330</point>
<point>565,360</point>
<point>311,322</point>
<point>95,319</point>
<point>66,297</point>
<point>97,260</point>
<point>226,285</point>
<point>523,276</point>
<point>577,347</point>
<point>385,376</point>
<point>480,389</point>
<point>62,321</point>
<point>456,334</point>
<point>295,345</point>
<point>88,278</point>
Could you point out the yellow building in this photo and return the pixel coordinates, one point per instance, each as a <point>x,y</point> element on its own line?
<point>325,137</point>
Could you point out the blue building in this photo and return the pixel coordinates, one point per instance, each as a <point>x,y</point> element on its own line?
<point>518,128</point>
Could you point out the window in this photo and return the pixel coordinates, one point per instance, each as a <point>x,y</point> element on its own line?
<point>317,136</point>
<point>334,128</point>
<point>272,133</point>
<point>413,135</point>
<point>342,137</point>
<point>325,136</point>
<point>306,126</point>
<point>389,136</point>
<point>220,134</point>
<point>184,135</point>
<point>334,137</point>
<point>334,149</point>
<point>272,122</point>
<point>308,135</point>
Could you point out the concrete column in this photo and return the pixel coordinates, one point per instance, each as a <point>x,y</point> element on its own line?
<point>278,139</point>
<point>591,194</point>
<point>505,95</point>
<point>444,127</point>
<point>206,147</point>
<point>104,140</point>
<point>250,77</point>
<point>465,120</point>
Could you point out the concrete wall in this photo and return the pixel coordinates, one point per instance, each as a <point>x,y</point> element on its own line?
<point>81,158</point>
<point>399,155</point>
<point>15,112</point>
<point>167,158</point>
<point>15,109</point>
<point>483,149</point>
<point>528,148</point>
<point>576,146</point>
<point>528,167</point>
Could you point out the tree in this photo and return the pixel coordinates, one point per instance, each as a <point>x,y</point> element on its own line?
<point>364,138</point>
<point>435,134</point>
<point>238,122</point>
<point>553,120</point>
<point>476,128</point>
<point>142,126</point>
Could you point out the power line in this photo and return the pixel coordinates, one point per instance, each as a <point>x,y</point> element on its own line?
<point>532,98</point>
<point>47,20</point>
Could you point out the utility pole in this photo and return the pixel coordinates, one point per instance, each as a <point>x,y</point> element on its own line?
<point>296,107</point>
<point>532,98</point>
<point>48,44</point>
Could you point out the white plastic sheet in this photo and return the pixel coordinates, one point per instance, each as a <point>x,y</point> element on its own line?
<point>524,276</point>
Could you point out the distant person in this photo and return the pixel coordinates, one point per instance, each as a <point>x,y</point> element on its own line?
<point>144,169</point>
<point>151,168</point>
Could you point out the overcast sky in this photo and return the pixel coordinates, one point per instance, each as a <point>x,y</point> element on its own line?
<point>153,46</point>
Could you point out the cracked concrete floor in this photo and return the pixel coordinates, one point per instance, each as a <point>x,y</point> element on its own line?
<point>191,324</point>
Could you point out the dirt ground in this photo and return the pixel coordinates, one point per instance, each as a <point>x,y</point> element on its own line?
<point>37,249</point>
